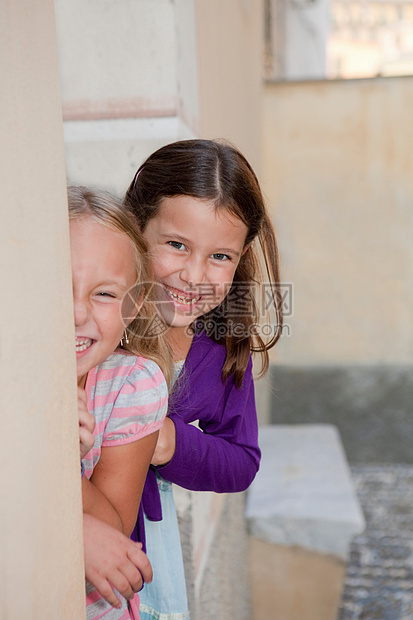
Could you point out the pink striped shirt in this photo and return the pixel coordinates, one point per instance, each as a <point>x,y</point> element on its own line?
<point>128,397</point>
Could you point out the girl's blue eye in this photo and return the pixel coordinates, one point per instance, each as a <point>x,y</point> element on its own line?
<point>221,257</point>
<point>177,244</point>
<point>105,294</point>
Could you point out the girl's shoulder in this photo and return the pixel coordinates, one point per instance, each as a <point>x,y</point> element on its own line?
<point>207,357</point>
<point>123,367</point>
<point>203,345</point>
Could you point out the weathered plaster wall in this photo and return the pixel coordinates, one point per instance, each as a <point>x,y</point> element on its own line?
<point>337,172</point>
<point>337,164</point>
<point>230,60</point>
<point>129,84</point>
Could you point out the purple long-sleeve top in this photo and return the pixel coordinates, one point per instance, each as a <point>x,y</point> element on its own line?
<point>224,457</point>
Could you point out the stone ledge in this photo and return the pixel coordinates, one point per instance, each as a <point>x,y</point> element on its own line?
<point>303,495</point>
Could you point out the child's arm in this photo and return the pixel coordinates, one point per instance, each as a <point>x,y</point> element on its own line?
<point>166,444</point>
<point>113,561</point>
<point>114,490</point>
<point>224,457</point>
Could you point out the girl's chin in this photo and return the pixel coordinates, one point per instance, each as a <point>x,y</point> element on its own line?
<point>177,326</point>
<point>176,319</point>
<point>82,368</point>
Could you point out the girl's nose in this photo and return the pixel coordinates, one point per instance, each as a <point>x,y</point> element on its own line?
<point>193,273</point>
<point>81,309</point>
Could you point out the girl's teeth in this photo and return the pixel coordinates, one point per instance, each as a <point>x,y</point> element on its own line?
<point>182,300</point>
<point>82,345</point>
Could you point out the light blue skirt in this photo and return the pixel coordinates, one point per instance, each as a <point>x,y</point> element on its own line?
<point>165,598</point>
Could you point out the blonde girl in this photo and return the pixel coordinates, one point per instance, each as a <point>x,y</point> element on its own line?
<point>123,386</point>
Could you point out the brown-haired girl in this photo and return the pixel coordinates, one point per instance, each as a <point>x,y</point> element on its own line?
<point>201,211</point>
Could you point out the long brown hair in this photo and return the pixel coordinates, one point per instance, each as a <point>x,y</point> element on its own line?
<point>218,172</point>
<point>104,208</point>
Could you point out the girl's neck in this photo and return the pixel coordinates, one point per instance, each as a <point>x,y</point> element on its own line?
<point>180,341</point>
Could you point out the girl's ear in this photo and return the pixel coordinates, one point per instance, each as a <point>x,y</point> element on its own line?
<point>246,248</point>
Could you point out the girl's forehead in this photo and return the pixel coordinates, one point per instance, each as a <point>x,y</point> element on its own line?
<point>95,243</point>
<point>187,211</point>
<point>88,226</point>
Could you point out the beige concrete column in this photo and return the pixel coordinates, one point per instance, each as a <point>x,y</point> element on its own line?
<point>40,509</point>
<point>230,47</point>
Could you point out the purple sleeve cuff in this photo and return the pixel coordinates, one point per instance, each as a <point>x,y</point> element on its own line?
<point>204,462</point>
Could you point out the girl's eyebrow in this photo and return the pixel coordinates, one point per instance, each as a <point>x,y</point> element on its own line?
<point>115,283</point>
<point>174,236</point>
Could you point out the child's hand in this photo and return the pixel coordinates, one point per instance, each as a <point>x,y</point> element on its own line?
<point>165,447</point>
<point>86,424</point>
<point>113,560</point>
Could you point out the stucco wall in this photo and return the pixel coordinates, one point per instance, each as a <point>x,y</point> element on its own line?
<point>129,84</point>
<point>230,65</point>
<point>143,73</point>
<point>41,557</point>
<point>337,162</point>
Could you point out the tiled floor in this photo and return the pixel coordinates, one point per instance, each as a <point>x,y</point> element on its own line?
<point>379,584</point>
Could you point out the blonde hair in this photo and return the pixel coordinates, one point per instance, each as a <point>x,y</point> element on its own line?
<point>142,339</point>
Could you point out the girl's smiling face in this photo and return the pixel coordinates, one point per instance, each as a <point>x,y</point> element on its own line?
<point>103,269</point>
<point>195,250</point>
